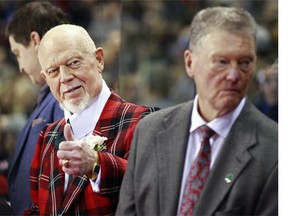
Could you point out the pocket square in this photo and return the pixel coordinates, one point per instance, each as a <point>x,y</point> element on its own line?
<point>38,121</point>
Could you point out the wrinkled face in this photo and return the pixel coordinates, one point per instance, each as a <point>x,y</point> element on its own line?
<point>74,75</point>
<point>27,60</point>
<point>222,66</point>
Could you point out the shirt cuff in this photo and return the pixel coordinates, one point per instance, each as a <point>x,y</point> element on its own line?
<point>96,183</point>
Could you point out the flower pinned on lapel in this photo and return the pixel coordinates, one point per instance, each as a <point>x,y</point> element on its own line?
<point>96,142</point>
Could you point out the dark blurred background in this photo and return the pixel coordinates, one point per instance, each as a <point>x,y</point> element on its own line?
<point>143,45</point>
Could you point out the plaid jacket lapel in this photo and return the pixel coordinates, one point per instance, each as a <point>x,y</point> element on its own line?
<point>108,120</point>
<point>57,177</point>
<point>65,200</point>
<point>73,191</point>
<point>60,202</point>
<point>102,128</point>
<point>59,138</point>
<point>56,185</point>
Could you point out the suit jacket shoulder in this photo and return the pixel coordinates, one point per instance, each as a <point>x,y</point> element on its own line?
<point>169,115</point>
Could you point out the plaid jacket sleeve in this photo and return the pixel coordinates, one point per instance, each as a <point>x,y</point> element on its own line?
<point>119,132</point>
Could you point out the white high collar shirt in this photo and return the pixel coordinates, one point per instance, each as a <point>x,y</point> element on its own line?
<point>84,122</point>
<point>221,125</point>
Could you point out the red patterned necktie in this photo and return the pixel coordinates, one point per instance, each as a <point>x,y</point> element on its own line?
<point>198,173</point>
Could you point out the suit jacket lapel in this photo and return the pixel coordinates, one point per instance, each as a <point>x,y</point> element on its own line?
<point>57,177</point>
<point>78,183</point>
<point>107,118</point>
<point>65,200</point>
<point>24,134</point>
<point>59,138</point>
<point>232,159</point>
<point>72,193</point>
<point>171,157</point>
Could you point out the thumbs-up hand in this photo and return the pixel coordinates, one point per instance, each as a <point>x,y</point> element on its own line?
<point>68,134</point>
<point>76,157</point>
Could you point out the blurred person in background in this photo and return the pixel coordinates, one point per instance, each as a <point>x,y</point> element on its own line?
<point>267,100</point>
<point>4,163</point>
<point>216,154</point>
<point>69,175</point>
<point>25,31</point>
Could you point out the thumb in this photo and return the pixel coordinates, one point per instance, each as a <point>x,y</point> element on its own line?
<point>68,134</point>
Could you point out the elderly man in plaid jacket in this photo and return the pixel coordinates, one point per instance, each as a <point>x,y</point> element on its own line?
<point>68,175</point>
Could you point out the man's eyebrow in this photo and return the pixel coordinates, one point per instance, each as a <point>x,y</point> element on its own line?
<point>50,67</point>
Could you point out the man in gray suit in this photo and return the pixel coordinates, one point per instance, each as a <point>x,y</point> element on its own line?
<point>243,176</point>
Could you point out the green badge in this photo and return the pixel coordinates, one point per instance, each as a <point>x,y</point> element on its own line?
<point>229,177</point>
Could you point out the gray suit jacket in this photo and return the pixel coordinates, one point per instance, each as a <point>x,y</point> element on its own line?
<point>249,156</point>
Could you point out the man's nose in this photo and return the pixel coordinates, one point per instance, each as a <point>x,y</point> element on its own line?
<point>65,74</point>
<point>233,74</point>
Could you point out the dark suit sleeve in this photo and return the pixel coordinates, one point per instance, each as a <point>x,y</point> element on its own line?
<point>268,200</point>
<point>126,205</point>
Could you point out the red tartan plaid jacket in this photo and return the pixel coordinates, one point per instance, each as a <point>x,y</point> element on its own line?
<point>117,122</point>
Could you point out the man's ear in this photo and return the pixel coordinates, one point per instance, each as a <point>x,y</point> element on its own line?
<point>99,54</point>
<point>188,63</point>
<point>35,39</point>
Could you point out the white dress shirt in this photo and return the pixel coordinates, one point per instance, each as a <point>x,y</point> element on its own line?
<point>83,124</point>
<point>221,126</point>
